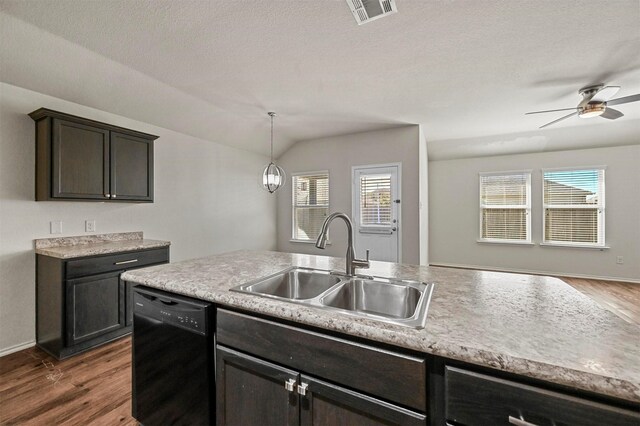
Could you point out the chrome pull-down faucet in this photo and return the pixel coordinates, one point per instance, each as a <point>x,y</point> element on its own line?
<point>351,262</point>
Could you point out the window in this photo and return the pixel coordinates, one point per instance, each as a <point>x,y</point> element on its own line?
<point>505,205</point>
<point>574,207</point>
<point>310,205</point>
<point>375,200</point>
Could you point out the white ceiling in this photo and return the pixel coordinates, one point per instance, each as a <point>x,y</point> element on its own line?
<point>212,69</point>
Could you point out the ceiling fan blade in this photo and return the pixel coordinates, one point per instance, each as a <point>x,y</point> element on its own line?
<point>551,110</point>
<point>611,114</point>
<point>604,94</point>
<point>559,119</point>
<point>625,100</point>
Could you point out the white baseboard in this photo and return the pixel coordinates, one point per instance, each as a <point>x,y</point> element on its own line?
<point>16,348</point>
<point>535,272</point>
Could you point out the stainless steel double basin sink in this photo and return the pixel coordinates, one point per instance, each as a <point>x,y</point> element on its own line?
<point>395,301</point>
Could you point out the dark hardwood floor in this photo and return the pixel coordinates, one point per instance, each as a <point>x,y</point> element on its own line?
<point>623,299</point>
<point>90,388</point>
<point>95,387</point>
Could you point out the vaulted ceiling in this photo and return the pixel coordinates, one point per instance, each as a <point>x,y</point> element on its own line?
<point>212,69</point>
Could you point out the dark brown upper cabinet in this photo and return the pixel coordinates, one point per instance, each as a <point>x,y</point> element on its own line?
<point>82,159</point>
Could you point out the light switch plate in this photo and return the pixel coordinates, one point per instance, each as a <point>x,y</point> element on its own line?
<point>55,227</point>
<point>90,225</point>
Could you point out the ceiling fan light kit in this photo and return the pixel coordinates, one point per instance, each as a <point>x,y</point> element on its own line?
<point>592,110</point>
<point>596,102</point>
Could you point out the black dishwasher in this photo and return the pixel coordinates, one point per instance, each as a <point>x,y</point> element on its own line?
<point>173,365</point>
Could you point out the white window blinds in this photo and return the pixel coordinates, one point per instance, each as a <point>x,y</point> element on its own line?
<point>375,200</point>
<point>310,205</point>
<point>505,204</point>
<point>574,207</point>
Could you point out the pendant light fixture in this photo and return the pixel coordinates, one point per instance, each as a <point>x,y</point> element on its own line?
<point>273,176</point>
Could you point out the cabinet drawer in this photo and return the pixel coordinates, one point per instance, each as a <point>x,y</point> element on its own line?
<point>478,399</point>
<point>389,375</point>
<point>116,262</point>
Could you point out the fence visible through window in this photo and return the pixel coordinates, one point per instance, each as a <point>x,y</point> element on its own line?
<point>375,200</point>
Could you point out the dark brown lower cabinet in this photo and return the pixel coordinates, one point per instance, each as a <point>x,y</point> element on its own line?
<point>324,403</point>
<point>95,306</point>
<point>82,302</point>
<point>251,391</point>
<point>477,399</point>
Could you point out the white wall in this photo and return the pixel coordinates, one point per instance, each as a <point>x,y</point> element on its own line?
<point>338,155</point>
<point>424,198</point>
<point>454,223</point>
<point>207,200</point>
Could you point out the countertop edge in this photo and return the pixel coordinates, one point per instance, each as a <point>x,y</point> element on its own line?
<point>366,329</point>
<point>96,249</point>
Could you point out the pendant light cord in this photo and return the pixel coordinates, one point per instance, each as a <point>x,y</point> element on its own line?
<point>271,138</point>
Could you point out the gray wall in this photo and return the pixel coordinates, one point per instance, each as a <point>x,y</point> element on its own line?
<point>207,200</point>
<point>338,155</point>
<point>453,215</point>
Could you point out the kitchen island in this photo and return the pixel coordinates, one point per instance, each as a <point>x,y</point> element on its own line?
<point>535,327</point>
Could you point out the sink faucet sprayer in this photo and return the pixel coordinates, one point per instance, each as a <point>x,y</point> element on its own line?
<point>351,262</point>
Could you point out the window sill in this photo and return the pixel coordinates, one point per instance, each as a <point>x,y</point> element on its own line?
<point>576,246</point>
<point>307,242</point>
<point>508,242</point>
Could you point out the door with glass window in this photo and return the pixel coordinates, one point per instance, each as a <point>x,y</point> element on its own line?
<point>376,211</point>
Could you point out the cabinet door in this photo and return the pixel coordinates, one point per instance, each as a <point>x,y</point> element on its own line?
<point>131,168</point>
<point>475,399</point>
<point>95,306</point>
<point>250,391</point>
<point>80,164</point>
<point>323,403</point>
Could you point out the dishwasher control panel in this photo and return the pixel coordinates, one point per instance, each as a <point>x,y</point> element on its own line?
<point>170,311</point>
<point>188,319</point>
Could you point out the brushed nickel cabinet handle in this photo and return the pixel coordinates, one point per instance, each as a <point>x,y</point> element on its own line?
<point>290,384</point>
<point>302,388</point>
<point>124,262</point>
<point>520,421</point>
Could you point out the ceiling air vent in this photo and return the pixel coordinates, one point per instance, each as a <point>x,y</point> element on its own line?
<point>369,10</point>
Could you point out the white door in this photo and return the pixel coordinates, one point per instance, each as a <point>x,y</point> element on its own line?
<point>376,211</point>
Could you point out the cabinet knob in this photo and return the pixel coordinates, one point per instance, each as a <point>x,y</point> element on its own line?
<point>290,384</point>
<point>302,388</point>
<point>113,196</point>
<point>107,195</point>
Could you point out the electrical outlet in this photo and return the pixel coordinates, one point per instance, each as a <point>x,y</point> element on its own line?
<point>89,226</point>
<point>55,227</point>
<point>620,260</point>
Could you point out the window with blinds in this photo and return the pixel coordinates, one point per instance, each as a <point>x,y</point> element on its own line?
<point>375,200</point>
<point>310,205</point>
<point>505,206</point>
<point>574,206</point>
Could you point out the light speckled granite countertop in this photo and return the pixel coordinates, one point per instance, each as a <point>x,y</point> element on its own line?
<point>91,245</point>
<point>530,325</point>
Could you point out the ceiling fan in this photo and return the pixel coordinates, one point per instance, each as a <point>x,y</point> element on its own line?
<point>596,101</point>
